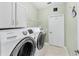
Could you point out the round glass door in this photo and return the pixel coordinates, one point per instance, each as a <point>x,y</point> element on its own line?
<point>25,47</point>
<point>40,40</point>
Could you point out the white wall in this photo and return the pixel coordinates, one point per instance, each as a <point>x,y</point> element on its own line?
<point>30,12</point>
<point>70,28</point>
<point>78,26</point>
<point>44,13</point>
<point>32,15</point>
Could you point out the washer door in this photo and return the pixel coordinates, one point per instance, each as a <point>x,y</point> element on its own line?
<point>25,47</point>
<point>40,40</point>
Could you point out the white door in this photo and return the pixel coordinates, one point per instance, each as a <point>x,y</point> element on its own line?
<point>56,30</point>
<point>6,15</point>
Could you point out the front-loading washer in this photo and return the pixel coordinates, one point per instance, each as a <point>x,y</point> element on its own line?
<point>39,36</point>
<point>16,42</point>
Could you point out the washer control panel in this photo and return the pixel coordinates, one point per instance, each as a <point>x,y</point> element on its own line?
<point>24,32</point>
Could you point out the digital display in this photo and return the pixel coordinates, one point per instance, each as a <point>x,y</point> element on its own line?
<point>30,31</point>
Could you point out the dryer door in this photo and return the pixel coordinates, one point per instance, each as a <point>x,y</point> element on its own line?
<point>25,47</point>
<point>40,40</point>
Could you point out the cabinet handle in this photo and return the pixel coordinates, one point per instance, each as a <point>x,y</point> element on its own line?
<point>12,22</point>
<point>13,14</point>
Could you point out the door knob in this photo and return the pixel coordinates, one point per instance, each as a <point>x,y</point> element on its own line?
<point>50,32</point>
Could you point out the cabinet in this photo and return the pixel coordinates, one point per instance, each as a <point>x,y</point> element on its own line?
<point>7,18</point>
<point>13,14</point>
<point>17,14</point>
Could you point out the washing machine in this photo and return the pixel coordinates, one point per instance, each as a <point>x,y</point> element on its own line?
<point>39,37</point>
<point>17,42</point>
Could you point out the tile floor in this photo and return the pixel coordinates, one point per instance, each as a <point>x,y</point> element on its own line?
<point>50,50</point>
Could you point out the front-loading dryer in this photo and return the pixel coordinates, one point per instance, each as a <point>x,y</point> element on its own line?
<point>16,42</point>
<point>39,36</point>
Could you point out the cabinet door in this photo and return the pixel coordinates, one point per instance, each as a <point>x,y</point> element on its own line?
<point>6,20</point>
<point>20,15</point>
<point>56,30</point>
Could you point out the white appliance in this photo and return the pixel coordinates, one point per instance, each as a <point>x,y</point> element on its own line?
<point>39,37</point>
<point>56,30</point>
<point>16,42</point>
<point>20,41</point>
